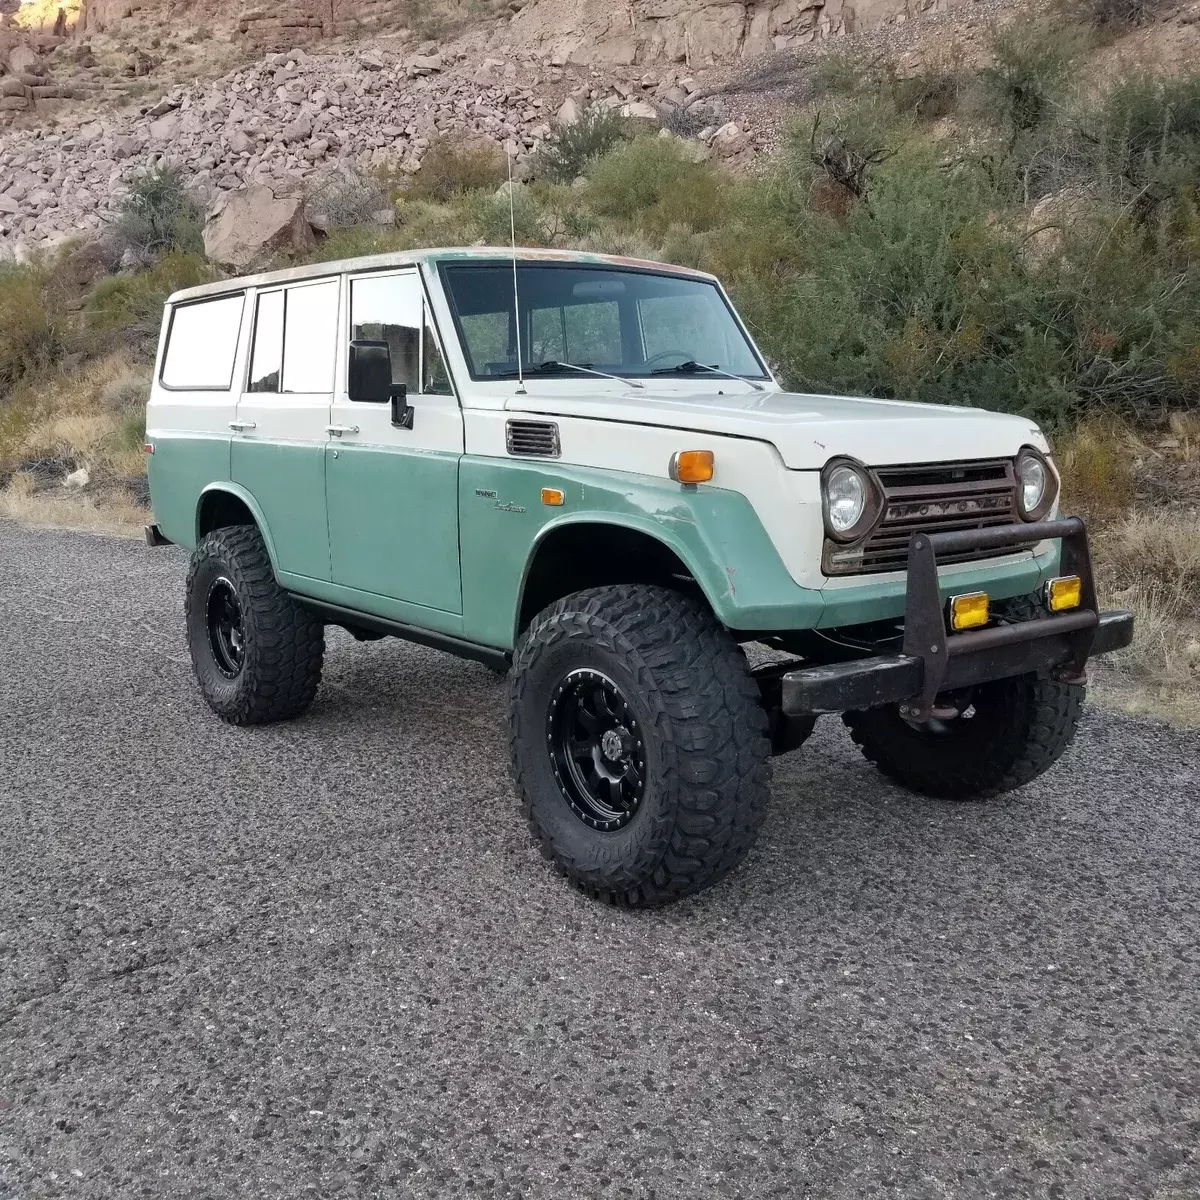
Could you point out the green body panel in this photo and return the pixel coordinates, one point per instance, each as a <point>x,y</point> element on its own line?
<point>716,534</point>
<point>393,523</point>
<point>288,481</point>
<point>181,468</point>
<point>487,513</point>
<point>378,606</point>
<point>883,600</point>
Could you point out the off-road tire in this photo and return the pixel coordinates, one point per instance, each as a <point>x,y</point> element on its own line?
<point>707,766</point>
<point>283,642</point>
<point>1020,729</point>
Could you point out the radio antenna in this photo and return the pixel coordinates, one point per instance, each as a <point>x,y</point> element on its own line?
<point>512,240</point>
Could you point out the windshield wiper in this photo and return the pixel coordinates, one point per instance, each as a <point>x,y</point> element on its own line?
<point>553,366</point>
<point>691,367</point>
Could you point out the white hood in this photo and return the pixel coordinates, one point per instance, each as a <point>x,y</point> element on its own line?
<point>806,430</point>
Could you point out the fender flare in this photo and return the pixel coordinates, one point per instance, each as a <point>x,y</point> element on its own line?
<point>657,531</point>
<point>229,488</point>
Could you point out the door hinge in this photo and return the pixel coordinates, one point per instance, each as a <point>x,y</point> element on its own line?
<point>241,426</point>
<point>338,430</point>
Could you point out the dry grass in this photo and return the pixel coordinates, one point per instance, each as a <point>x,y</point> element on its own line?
<point>1150,564</point>
<point>106,513</point>
<point>92,416</point>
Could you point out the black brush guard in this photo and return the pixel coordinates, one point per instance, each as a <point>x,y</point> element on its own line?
<point>933,661</point>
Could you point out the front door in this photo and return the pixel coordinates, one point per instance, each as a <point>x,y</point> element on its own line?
<point>393,492</point>
<point>278,451</point>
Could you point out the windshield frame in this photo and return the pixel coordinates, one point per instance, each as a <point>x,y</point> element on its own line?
<point>444,269</point>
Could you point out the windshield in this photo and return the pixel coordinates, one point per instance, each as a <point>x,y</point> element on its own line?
<point>627,323</point>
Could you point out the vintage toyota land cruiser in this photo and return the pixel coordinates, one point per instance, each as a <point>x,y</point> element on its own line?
<point>580,470</point>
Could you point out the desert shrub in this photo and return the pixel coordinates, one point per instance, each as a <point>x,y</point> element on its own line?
<point>655,182</point>
<point>1031,68</point>
<point>1115,14</point>
<point>32,334</point>
<point>1095,463</point>
<point>159,214</point>
<point>126,393</point>
<point>570,150</point>
<point>490,217</point>
<point>450,169</point>
<point>344,198</point>
<point>1148,133</point>
<point>838,73</point>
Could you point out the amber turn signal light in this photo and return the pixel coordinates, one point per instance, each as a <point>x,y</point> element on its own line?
<point>554,496</point>
<point>969,610</point>
<point>692,466</point>
<point>1064,593</point>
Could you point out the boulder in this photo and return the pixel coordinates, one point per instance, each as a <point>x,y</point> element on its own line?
<point>640,110</point>
<point>298,131</point>
<point>730,139</point>
<point>569,112</point>
<point>163,130</point>
<point>10,85</point>
<point>24,60</point>
<point>247,226</point>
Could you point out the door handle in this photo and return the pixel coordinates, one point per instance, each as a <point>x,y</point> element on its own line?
<point>241,426</point>
<point>338,430</point>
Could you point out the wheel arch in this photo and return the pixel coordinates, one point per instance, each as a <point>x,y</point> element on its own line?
<point>587,550</point>
<point>226,503</point>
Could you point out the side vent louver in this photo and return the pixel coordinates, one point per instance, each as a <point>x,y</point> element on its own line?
<point>532,439</point>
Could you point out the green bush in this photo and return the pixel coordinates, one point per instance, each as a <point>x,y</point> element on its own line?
<point>32,334</point>
<point>450,170</point>
<point>569,152</point>
<point>655,182</point>
<point>159,215</point>
<point>1032,67</point>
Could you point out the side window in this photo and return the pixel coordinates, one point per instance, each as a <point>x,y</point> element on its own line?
<point>388,308</point>
<point>202,344</point>
<point>310,337</point>
<point>435,379</point>
<point>267,357</point>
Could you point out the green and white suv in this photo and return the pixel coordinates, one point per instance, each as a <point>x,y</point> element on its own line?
<point>580,470</point>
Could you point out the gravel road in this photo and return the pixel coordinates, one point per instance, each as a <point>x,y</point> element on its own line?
<point>323,959</point>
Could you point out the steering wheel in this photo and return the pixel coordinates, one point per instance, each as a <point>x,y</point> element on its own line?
<point>685,355</point>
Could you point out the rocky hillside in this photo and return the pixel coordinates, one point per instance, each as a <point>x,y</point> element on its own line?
<point>293,116</point>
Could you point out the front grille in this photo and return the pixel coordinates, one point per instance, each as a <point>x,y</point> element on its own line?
<point>532,439</point>
<point>931,498</point>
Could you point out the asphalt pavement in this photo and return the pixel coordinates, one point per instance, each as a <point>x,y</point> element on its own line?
<point>324,958</point>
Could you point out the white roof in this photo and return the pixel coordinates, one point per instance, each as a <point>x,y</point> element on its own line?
<point>402,258</point>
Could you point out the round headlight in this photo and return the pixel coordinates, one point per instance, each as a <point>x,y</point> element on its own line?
<point>1035,485</point>
<point>845,498</point>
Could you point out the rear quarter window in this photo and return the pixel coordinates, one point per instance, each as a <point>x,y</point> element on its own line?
<point>202,343</point>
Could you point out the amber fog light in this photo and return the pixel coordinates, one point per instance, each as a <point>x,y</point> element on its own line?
<point>1064,593</point>
<point>968,611</point>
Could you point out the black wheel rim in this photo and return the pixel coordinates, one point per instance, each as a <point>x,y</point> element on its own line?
<point>597,750</point>
<point>226,636</point>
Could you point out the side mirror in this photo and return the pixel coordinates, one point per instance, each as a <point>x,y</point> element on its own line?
<point>370,372</point>
<point>371,380</point>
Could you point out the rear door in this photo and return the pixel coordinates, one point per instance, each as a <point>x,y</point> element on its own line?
<point>393,492</point>
<point>280,434</point>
